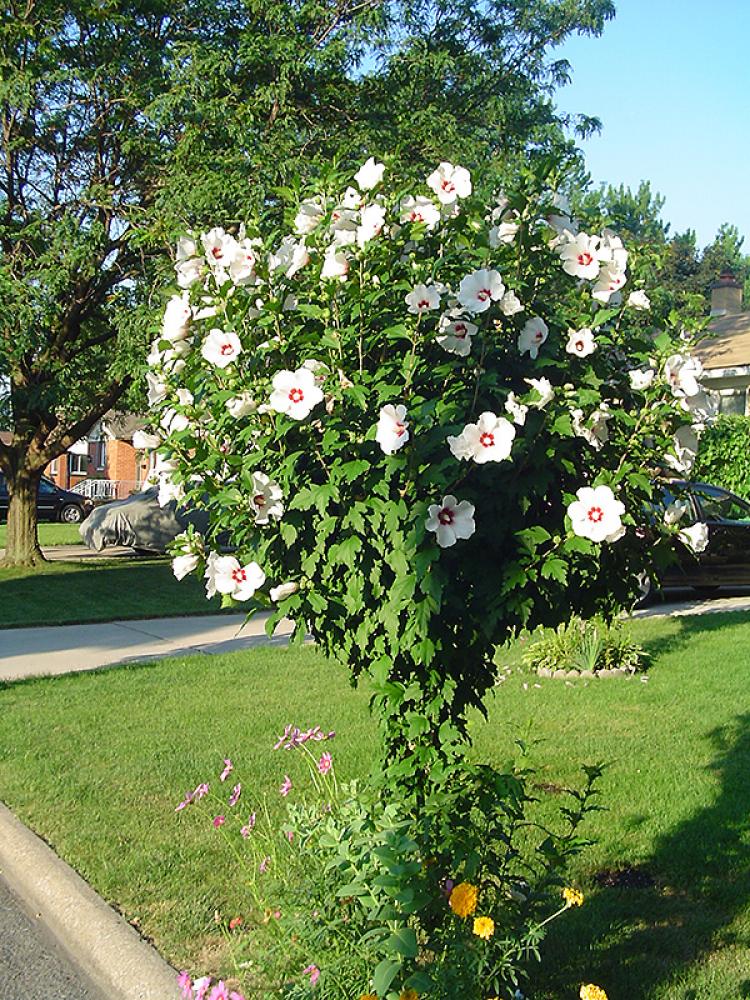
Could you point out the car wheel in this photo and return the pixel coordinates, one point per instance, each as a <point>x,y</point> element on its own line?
<point>706,590</point>
<point>71,514</point>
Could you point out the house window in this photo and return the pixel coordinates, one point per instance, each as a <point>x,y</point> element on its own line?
<point>733,403</point>
<point>52,467</point>
<point>101,454</point>
<point>78,464</point>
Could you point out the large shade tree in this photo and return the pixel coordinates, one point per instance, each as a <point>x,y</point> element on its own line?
<point>123,123</point>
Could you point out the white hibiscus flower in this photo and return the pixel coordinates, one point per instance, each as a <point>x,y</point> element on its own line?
<point>640,379</point>
<point>511,304</point>
<point>175,325</point>
<point>544,390</point>
<point>335,264</point>
<point>479,290</point>
<point>594,428</point>
<point>449,183</point>
<point>183,565</point>
<point>451,520</point>
<point>683,372</point>
<point>265,498</point>
<point>221,347</point>
<point>490,439</point>
<point>283,591</point>
<point>369,174</point>
<point>596,514</point>
<point>392,432</point>
<point>581,256</point>
<point>517,410</point>
<point>610,281</point>
<point>231,577</point>
<point>455,333</point>
<point>419,209</point>
<point>581,342</point>
<point>290,257</point>
<point>422,298</point>
<point>295,393</point>
<point>684,450</point>
<point>639,300</point>
<point>534,333</point>
<point>309,216</point>
<point>241,405</point>
<point>372,220</point>
<point>157,390</point>
<point>695,537</point>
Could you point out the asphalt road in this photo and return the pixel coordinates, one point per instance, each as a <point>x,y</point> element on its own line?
<point>32,966</point>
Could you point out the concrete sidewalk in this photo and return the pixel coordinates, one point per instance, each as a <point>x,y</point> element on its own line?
<point>78,553</point>
<point>62,649</point>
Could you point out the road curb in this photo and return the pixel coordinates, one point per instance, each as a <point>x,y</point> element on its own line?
<point>96,938</point>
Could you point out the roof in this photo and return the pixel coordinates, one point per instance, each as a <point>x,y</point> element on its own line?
<point>730,344</point>
<point>122,426</point>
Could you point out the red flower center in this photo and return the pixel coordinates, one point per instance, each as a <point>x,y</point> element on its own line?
<point>483,294</point>
<point>487,439</point>
<point>538,335</point>
<point>423,304</point>
<point>217,253</point>
<point>259,500</point>
<point>447,185</point>
<point>595,515</point>
<point>226,349</point>
<point>584,259</point>
<point>415,216</point>
<point>460,331</point>
<point>579,345</point>
<point>399,430</point>
<point>446,516</point>
<point>239,575</point>
<point>296,395</point>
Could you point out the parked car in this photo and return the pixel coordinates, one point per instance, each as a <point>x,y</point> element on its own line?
<point>725,562</point>
<point>52,503</point>
<point>139,522</point>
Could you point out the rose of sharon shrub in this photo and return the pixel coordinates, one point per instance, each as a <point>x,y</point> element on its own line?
<point>408,436</point>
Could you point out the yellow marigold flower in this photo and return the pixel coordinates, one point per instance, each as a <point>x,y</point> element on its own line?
<point>463,899</point>
<point>484,927</point>
<point>573,897</point>
<point>369,996</point>
<point>591,992</point>
<point>409,995</point>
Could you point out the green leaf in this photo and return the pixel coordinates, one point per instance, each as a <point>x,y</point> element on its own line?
<point>384,974</point>
<point>404,941</point>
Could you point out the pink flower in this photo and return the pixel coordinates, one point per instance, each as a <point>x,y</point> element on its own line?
<point>185,983</point>
<point>290,835</point>
<point>185,802</point>
<point>219,821</point>
<point>447,887</point>
<point>201,987</point>
<point>313,972</point>
<point>286,786</point>
<point>228,768</point>
<point>264,865</point>
<point>248,828</point>
<point>219,992</point>
<point>325,763</point>
<point>236,792</point>
<point>200,791</point>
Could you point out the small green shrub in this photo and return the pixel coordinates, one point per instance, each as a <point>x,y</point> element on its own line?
<point>586,645</point>
<point>724,455</point>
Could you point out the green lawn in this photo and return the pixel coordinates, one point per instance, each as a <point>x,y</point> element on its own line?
<point>50,533</point>
<point>57,593</point>
<point>87,762</point>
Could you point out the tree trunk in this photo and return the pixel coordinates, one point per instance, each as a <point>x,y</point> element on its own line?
<point>22,545</point>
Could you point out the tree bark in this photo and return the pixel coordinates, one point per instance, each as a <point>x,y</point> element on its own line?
<point>22,544</point>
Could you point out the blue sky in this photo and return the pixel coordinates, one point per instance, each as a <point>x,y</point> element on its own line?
<point>670,81</point>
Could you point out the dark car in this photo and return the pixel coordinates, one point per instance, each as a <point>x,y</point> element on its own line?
<point>725,562</point>
<point>52,503</point>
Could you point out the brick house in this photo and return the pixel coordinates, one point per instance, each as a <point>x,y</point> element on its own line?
<point>105,459</point>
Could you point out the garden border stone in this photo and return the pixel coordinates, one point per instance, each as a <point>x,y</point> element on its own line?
<point>98,940</point>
